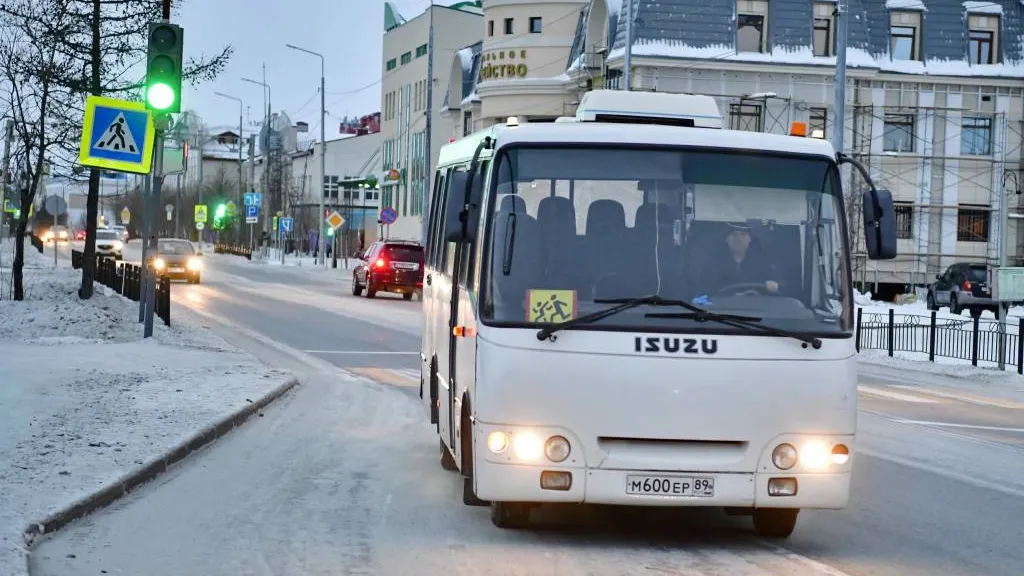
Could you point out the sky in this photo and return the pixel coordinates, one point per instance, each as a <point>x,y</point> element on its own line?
<point>349,33</point>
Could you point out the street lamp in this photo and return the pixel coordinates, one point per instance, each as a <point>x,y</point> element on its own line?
<point>323,154</point>
<point>241,186</point>
<point>266,124</point>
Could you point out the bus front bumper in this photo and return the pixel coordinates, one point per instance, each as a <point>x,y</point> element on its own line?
<point>523,483</point>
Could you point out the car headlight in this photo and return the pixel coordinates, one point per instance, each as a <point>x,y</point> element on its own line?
<point>63,234</point>
<point>118,245</point>
<point>159,263</point>
<point>195,264</point>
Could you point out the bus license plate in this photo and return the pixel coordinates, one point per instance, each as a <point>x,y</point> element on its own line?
<point>675,486</point>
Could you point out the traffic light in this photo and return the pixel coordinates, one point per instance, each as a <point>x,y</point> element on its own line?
<point>163,67</point>
<point>220,214</point>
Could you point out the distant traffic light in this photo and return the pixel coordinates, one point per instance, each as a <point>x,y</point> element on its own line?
<point>220,214</point>
<point>164,67</point>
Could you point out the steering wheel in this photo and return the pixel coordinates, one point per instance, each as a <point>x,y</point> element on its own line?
<point>735,289</point>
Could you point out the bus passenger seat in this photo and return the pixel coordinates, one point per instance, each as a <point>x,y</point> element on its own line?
<point>607,246</point>
<point>556,217</point>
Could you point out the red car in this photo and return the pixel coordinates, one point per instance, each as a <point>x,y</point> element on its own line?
<point>390,266</point>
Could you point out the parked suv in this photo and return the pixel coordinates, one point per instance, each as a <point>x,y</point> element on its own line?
<point>964,286</point>
<point>390,266</point>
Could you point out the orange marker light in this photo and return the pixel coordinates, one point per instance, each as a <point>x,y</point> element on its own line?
<point>798,129</point>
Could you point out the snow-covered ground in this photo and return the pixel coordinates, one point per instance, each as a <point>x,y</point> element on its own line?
<point>84,400</point>
<point>954,334</point>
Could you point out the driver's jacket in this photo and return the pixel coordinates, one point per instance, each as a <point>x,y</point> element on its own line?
<point>721,272</point>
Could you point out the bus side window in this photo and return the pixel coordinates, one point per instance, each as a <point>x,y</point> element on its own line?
<point>451,201</point>
<point>430,241</point>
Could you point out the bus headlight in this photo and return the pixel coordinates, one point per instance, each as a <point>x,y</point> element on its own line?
<point>815,455</point>
<point>784,456</point>
<point>557,449</point>
<point>497,442</point>
<point>527,446</point>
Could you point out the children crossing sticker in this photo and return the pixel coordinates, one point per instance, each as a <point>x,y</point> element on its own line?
<point>551,306</point>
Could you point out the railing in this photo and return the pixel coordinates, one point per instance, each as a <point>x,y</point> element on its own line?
<point>126,280</point>
<point>243,251</point>
<point>971,339</point>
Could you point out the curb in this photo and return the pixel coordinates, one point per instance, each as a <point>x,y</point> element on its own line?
<point>135,478</point>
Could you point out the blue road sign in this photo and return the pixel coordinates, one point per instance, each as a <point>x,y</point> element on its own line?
<point>252,211</point>
<point>388,215</point>
<point>286,224</point>
<point>117,135</point>
<point>247,200</point>
<point>257,199</point>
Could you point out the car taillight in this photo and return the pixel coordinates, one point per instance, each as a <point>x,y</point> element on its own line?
<point>967,284</point>
<point>380,263</point>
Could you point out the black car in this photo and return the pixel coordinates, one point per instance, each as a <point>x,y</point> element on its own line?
<point>964,286</point>
<point>177,259</point>
<point>390,266</point>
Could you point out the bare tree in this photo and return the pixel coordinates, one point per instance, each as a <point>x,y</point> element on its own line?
<point>31,66</point>
<point>106,39</point>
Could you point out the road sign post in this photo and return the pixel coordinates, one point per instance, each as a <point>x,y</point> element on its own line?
<point>117,135</point>
<point>158,180</point>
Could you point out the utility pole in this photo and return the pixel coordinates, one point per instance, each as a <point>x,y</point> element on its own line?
<point>252,178</point>
<point>627,66</point>
<point>147,226</point>
<point>842,30</point>
<point>427,159</point>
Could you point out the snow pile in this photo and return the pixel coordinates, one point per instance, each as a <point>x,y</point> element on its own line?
<point>84,400</point>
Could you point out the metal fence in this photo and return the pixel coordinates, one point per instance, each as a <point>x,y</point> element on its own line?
<point>971,339</point>
<point>242,251</point>
<point>127,280</point>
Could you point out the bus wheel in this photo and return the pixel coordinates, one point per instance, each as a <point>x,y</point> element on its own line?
<point>447,460</point>
<point>510,514</point>
<point>775,522</point>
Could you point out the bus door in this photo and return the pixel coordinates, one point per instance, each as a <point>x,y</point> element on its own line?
<point>433,246</point>
<point>442,283</point>
<point>463,316</point>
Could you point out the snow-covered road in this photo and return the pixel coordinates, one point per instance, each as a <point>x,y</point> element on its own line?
<point>342,477</point>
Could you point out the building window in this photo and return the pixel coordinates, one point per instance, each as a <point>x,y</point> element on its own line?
<point>824,39</point>
<point>898,133</point>
<point>745,117</point>
<point>751,20</point>
<point>392,64</point>
<point>330,189</point>
<point>904,37</point>
<point>490,27</point>
<point>972,224</point>
<point>508,26</point>
<point>407,57</point>
<point>467,123</point>
<point>904,220</point>
<point>421,50</point>
<point>535,25</point>
<point>982,33</point>
<point>976,137</point>
<point>818,120</point>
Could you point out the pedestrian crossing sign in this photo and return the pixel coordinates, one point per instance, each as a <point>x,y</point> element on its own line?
<point>117,135</point>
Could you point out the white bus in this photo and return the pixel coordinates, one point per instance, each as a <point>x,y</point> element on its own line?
<point>637,307</point>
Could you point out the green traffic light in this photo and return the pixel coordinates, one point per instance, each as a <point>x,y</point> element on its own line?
<point>160,96</point>
<point>221,211</point>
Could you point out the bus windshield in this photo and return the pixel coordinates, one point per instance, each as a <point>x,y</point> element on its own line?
<point>736,232</point>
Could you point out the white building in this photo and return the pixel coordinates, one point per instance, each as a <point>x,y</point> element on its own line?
<point>404,101</point>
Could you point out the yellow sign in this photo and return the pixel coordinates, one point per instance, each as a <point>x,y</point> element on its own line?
<point>117,135</point>
<point>549,306</point>
<point>335,220</point>
<point>200,216</point>
<point>503,64</point>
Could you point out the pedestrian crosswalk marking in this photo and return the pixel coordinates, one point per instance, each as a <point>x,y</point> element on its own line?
<point>402,378</point>
<point>883,392</point>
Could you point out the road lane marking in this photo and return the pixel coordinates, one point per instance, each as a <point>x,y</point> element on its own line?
<point>400,378</point>
<point>946,472</point>
<point>991,402</point>
<point>884,392</point>
<point>965,426</point>
<point>818,567</point>
<point>379,352</point>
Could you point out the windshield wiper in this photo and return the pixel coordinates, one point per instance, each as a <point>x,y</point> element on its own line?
<point>738,322</point>
<point>623,304</point>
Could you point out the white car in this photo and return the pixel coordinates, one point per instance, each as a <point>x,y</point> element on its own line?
<point>109,243</point>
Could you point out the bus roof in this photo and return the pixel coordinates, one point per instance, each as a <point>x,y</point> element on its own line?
<point>462,150</point>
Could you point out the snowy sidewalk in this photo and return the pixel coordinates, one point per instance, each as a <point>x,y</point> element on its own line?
<point>89,409</point>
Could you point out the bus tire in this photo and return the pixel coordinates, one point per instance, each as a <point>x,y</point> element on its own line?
<point>469,497</point>
<point>447,460</point>
<point>775,522</point>
<point>510,514</point>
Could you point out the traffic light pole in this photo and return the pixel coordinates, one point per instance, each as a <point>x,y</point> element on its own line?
<point>162,123</point>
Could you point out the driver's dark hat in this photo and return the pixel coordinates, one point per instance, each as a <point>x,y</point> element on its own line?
<point>738,227</point>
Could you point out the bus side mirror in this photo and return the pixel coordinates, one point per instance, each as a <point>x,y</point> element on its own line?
<point>879,224</point>
<point>453,211</point>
